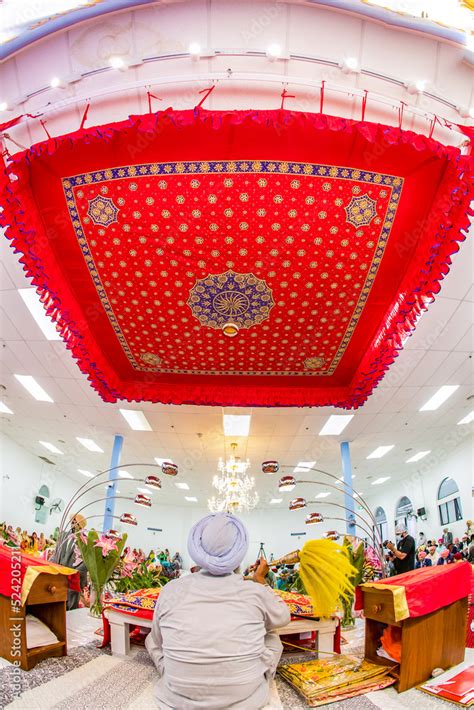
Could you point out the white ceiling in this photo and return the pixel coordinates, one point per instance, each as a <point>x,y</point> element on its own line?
<point>438,353</point>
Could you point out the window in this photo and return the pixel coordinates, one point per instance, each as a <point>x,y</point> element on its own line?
<point>447,488</point>
<point>449,502</point>
<point>381,520</point>
<point>404,514</point>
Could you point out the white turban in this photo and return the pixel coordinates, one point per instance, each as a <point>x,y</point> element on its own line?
<point>218,543</point>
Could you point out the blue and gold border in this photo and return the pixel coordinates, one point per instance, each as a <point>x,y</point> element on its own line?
<point>394,182</point>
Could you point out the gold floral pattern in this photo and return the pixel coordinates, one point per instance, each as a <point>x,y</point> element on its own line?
<point>146,265</point>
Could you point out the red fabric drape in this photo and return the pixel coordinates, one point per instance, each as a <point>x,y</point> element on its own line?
<point>322,238</point>
<point>11,566</point>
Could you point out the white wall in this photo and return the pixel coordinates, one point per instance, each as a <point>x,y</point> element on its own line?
<point>21,474</point>
<point>421,486</point>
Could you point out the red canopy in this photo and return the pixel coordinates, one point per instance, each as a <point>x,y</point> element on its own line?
<point>318,239</point>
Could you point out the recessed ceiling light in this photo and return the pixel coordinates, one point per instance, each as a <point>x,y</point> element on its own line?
<point>351,63</point>
<point>341,479</point>
<point>117,62</point>
<point>303,466</point>
<point>335,424</point>
<point>51,447</point>
<point>35,307</point>
<point>378,481</point>
<point>439,398</point>
<point>125,474</point>
<point>274,501</point>
<point>194,49</point>
<point>6,410</point>
<point>55,82</point>
<point>34,388</point>
<point>191,499</point>
<point>324,494</point>
<point>146,491</point>
<point>135,419</point>
<point>417,457</point>
<point>86,473</point>
<point>274,50</point>
<point>420,85</point>
<point>90,445</point>
<point>3,105</point>
<point>182,485</point>
<point>465,420</point>
<point>236,424</point>
<point>160,462</point>
<point>380,451</point>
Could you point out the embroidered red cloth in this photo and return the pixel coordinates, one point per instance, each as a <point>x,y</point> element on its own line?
<point>314,241</point>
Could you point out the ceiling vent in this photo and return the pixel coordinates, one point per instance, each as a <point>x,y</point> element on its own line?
<point>46,460</point>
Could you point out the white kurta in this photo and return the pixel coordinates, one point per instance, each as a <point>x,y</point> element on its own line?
<point>211,641</point>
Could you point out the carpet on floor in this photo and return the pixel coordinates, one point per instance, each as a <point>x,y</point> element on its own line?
<point>89,679</point>
<point>14,681</point>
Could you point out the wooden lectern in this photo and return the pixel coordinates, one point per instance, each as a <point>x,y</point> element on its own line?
<point>47,601</point>
<point>429,605</point>
<point>43,595</point>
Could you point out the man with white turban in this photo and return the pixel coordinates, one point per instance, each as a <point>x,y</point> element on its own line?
<point>213,638</point>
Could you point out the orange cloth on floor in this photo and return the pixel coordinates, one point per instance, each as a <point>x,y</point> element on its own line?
<point>392,642</point>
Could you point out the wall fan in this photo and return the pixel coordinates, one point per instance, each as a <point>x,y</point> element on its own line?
<point>56,506</point>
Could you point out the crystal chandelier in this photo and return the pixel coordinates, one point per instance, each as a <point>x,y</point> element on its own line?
<point>234,486</point>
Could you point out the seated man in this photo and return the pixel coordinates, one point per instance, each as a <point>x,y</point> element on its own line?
<point>213,638</point>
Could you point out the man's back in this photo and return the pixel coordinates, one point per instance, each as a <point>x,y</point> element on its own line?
<point>207,620</point>
<point>212,642</point>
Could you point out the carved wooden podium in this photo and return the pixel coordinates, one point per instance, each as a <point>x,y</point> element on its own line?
<point>429,605</point>
<point>26,589</point>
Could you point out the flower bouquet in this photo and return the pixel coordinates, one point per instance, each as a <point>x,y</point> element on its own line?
<point>101,555</point>
<point>132,574</point>
<point>9,535</point>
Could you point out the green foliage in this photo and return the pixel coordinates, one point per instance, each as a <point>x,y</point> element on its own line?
<point>100,568</point>
<point>298,585</point>
<point>355,552</point>
<point>140,578</point>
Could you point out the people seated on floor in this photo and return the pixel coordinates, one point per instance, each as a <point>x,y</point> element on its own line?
<point>445,557</point>
<point>433,555</point>
<point>421,542</point>
<point>177,560</point>
<point>447,537</point>
<point>422,560</point>
<point>213,640</point>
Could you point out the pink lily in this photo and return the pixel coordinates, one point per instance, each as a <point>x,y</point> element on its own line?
<point>77,557</point>
<point>107,544</point>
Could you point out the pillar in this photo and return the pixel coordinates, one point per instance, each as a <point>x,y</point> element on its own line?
<point>109,508</point>
<point>348,489</point>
